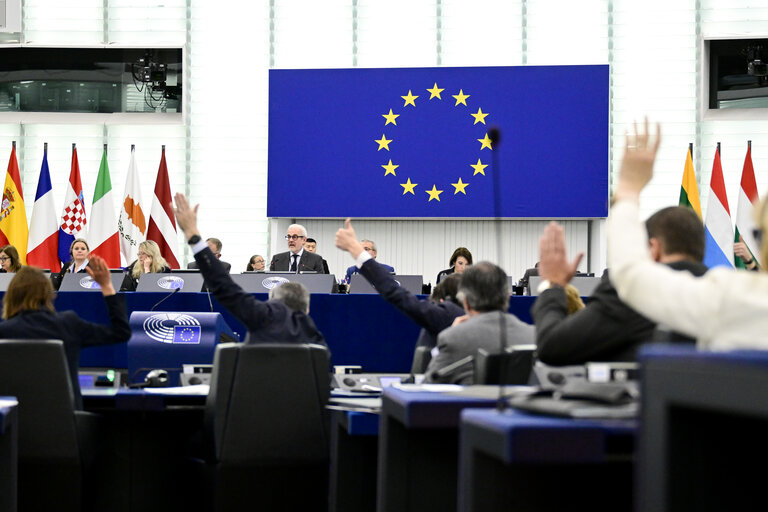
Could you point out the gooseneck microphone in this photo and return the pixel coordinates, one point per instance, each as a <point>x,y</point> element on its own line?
<point>176,290</point>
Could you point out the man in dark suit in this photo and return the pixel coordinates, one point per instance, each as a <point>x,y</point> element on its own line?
<point>311,246</point>
<point>284,318</point>
<point>296,259</point>
<point>214,244</point>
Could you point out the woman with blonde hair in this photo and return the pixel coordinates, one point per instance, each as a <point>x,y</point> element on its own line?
<point>150,260</point>
<point>9,259</point>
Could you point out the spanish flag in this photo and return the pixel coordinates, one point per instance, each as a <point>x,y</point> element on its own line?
<point>13,216</point>
<point>689,191</point>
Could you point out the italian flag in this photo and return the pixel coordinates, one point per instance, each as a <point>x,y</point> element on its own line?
<point>102,233</point>
<point>748,199</point>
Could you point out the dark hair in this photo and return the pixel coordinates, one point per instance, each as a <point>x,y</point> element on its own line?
<point>29,290</point>
<point>447,289</point>
<point>250,262</point>
<point>485,287</point>
<point>12,253</point>
<point>679,231</point>
<point>293,295</point>
<point>310,240</point>
<point>461,251</point>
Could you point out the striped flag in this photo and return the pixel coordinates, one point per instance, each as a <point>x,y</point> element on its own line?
<point>162,223</point>
<point>43,227</point>
<point>132,224</point>
<point>73,219</point>
<point>748,200</point>
<point>102,233</point>
<point>689,190</point>
<point>13,216</point>
<point>717,226</point>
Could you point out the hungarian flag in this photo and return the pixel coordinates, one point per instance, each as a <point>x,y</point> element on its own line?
<point>717,226</point>
<point>102,234</point>
<point>73,218</point>
<point>748,200</point>
<point>132,224</point>
<point>689,191</point>
<point>13,217</point>
<point>162,224</point>
<point>44,228</point>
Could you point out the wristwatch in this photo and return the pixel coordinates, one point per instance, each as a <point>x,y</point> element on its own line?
<point>194,239</point>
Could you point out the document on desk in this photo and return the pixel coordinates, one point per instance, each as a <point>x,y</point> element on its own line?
<point>436,388</point>
<point>198,389</point>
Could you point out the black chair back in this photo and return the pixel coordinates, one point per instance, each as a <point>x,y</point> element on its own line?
<point>421,358</point>
<point>512,367</point>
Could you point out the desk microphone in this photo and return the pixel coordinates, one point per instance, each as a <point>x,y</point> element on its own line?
<point>453,367</point>
<point>176,290</point>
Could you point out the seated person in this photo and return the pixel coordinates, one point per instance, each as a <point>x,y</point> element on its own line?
<point>484,291</point>
<point>460,260</point>
<point>311,246</point>
<point>79,252</point>
<point>28,313</point>
<point>526,279</point>
<point>742,252</point>
<point>283,318</point>
<point>215,245</point>
<point>296,259</point>
<point>432,317</point>
<point>150,260</point>
<point>370,248</point>
<point>607,329</point>
<point>9,259</point>
<point>256,263</point>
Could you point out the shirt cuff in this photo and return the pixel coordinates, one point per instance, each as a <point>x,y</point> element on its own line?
<point>364,256</point>
<point>199,246</point>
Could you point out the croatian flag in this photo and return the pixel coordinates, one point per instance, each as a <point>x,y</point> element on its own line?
<point>73,217</point>
<point>43,229</point>
<point>718,227</point>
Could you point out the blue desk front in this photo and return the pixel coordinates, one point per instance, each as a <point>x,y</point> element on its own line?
<point>516,461</point>
<point>9,452</point>
<point>359,329</point>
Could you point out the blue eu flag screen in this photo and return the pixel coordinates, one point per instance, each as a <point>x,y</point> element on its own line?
<point>186,334</point>
<point>414,142</point>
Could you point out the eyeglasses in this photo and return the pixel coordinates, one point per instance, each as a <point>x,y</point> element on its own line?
<point>4,258</point>
<point>293,237</point>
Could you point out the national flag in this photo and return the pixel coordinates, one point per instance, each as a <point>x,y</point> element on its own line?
<point>717,226</point>
<point>43,227</point>
<point>745,209</point>
<point>689,190</point>
<point>162,223</point>
<point>132,224</point>
<point>13,216</point>
<point>73,218</point>
<point>102,233</point>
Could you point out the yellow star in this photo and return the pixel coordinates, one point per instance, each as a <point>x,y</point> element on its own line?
<point>383,142</point>
<point>479,117</point>
<point>390,118</point>
<point>486,143</point>
<point>479,167</point>
<point>434,193</point>
<point>390,167</point>
<point>408,187</point>
<point>459,187</point>
<point>410,99</point>
<point>434,92</point>
<point>461,98</point>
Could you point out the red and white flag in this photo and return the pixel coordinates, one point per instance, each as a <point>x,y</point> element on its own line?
<point>44,227</point>
<point>133,223</point>
<point>162,223</point>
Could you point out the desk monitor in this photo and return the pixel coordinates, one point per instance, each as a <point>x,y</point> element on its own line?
<point>167,282</point>
<point>82,282</point>
<point>5,279</point>
<point>359,284</point>
<point>260,282</point>
<point>585,284</point>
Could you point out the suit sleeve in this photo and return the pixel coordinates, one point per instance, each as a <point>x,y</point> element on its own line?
<point>432,317</point>
<point>118,330</point>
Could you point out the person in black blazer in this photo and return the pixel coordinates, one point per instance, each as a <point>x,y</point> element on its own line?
<point>284,318</point>
<point>78,252</point>
<point>150,260</point>
<point>214,244</point>
<point>296,236</point>
<point>28,313</point>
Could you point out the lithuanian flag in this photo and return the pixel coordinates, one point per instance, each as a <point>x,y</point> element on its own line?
<point>689,191</point>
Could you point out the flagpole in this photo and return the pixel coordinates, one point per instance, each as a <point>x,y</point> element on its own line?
<point>105,149</point>
<point>45,148</point>
<point>749,145</point>
<point>13,144</point>
<point>133,146</point>
<point>718,150</point>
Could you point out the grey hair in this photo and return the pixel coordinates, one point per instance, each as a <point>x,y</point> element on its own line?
<point>300,228</point>
<point>373,244</point>
<point>485,287</point>
<point>293,295</point>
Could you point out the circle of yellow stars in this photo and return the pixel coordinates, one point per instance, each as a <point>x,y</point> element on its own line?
<point>409,99</point>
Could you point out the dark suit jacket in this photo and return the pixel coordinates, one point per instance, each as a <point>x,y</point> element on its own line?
<point>308,262</point>
<point>270,321</point>
<point>432,317</point>
<point>129,283</point>
<point>227,266</point>
<point>57,278</point>
<point>72,330</point>
<point>605,330</point>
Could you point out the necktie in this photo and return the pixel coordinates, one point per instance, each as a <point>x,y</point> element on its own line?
<point>294,266</point>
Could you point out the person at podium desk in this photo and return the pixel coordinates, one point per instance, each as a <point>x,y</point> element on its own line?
<point>284,318</point>
<point>78,252</point>
<point>370,247</point>
<point>9,259</point>
<point>256,263</point>
<point>460,260</point>
<point>28,313</point>
<point>296,259</point>
<point>149,260</point>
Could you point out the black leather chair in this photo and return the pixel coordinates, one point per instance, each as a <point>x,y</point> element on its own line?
<point>267,427</point>
<point>513,367</point>
<point>421,358</point>
<point>56,442</point>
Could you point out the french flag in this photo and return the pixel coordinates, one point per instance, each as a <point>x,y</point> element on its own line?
<point>718,227</point>
<point>73,217</point>
<point>43,229</point>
